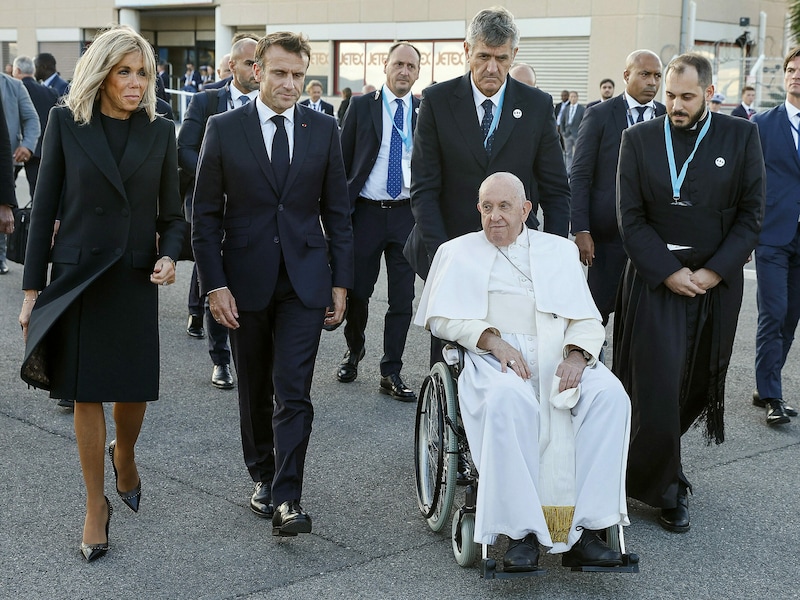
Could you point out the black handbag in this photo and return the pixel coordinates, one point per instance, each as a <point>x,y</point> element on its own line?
<point>18,241</point>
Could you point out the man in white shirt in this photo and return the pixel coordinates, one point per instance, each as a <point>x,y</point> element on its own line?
<point>547,424</point>
<point>315,101</point>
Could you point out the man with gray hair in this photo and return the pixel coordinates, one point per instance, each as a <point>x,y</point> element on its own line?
<point>537,406</point>
<point>478,124</point>
<point>43,98</point>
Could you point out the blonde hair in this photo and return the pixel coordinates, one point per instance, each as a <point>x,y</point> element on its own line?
<point>108,49</point>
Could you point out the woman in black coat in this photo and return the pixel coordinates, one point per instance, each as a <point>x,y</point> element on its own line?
<point>109,173</point>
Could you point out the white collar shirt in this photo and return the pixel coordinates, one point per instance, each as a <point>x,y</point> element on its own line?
<point>265,114</point>
<point>478,98</point>
<point>633,114</point>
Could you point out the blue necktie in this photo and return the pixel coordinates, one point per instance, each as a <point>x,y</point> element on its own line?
<point>486,124</point>
<point>280,152</point>
<point>244,100</point>
<point>641,110</point>
<point>394,180</point>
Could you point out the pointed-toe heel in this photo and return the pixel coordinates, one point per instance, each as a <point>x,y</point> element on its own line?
<point>130,498</point>
<point>94,551</point>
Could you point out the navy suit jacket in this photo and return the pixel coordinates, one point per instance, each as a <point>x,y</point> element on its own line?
<point>449,161</point>
<point>59,85</point>
<point>242,227</point>
<point>567,129</point>
<point>739,111</point>
<point>362,133</point>
<point>326,107</point>
<point>215,85</point>
<point>193,127</point>
<point>593,179</point>
<point>44,98</point>
<point>783,177</point>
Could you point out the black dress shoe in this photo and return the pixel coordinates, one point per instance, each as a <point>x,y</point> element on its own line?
<point>261,500</point>
<point>221,377</point>
<point>676,519</point>
<point>762,403</point>
<point>776,413</point>
<point>591,551</point>
<point>67,403</point>
<point>290,519</point>
<point>195,327</point>
<point>393,386</point>
<point>522,555</point>
<point>133,497</point>
<point>94,551</point>
<point>348,369</point>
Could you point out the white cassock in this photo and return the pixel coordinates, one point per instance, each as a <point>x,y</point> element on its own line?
<point>537,450</point>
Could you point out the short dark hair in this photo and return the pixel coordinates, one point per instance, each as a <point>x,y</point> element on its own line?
<point>396,45</point>
<point>244,35</point>
<point>46,60</point>
<point>296,43</point>
<point>793,53</point>
<point>697,61</point>
<point>748,88</point>
<point>607,80</point>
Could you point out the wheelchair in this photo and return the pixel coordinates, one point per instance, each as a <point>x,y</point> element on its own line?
<point>443,463</point>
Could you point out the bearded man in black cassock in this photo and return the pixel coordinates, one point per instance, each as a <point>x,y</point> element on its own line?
<point>690,199</point>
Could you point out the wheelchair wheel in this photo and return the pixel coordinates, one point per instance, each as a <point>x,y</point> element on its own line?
<point>464,547</point>
<point>436,447</point>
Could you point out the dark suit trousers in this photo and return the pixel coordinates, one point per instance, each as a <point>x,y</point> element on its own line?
<point>778,297</point>
<point>381,231</point>
<point>605,275</point>
<point>274,352</point>
<point>31,173</point>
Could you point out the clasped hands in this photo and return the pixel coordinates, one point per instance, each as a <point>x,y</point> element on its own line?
<point>686,282</point>
<point>569,371</point>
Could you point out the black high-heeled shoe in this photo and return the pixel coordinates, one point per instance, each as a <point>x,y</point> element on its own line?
<point>93,551</point>
<point>131,498</point>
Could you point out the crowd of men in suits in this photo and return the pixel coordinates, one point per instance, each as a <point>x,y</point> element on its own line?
<point>398,176</point>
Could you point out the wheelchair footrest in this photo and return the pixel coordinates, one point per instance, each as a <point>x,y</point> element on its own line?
<point>630,564</point>
<point>489,571</point>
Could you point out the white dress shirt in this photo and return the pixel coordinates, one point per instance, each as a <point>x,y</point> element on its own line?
<point>265,114</point>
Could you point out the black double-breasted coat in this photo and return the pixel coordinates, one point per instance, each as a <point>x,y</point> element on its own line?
<point>93,333</point>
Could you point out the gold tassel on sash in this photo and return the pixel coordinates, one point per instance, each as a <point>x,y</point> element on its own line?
<point>559,521</point>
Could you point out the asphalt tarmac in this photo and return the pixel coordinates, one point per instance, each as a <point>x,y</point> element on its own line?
<point>195,537</point>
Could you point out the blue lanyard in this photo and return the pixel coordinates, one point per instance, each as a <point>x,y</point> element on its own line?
<point>796,130</point>
<point>495,117</point>
<point>405,137</point>
<point>677,180</point>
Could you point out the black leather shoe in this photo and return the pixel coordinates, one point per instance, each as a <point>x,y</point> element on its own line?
<point>591,551</point>
<point>522,555</point>
<point>757,401</point>
<point>133,497</point>
<point>348,369</point>
<point>221,377</point>
<point>195,327</point>
<point>776,413</point>
<point>393,386</point>
<point>676,519</point>
<point>290,519</point>
<point>67,403</point>
<point>94,551</point>
<point>261,500</point>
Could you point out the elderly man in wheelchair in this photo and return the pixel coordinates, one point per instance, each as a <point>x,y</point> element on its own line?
<point>547,424</point>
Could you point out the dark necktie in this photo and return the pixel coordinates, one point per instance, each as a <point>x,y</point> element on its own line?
<point>394,179</point>
<point>641,110</point>
<point>244,100</point>
<point>280,152</point>
<point>750,113</point>
<point>486,124</point>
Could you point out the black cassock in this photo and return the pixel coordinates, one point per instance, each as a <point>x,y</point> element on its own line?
<point>671,352</point>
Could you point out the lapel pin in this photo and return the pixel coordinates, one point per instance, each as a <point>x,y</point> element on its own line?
<point>377,94</point>
<point>517,113</point>
<point>720,162</point>
<point>302,125</point>
<point>416,110</point>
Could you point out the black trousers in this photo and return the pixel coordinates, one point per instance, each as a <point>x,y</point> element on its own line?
<point>274,352</point>
<point>381,232</point>
<point>218,348</point>
<point>605,275</point>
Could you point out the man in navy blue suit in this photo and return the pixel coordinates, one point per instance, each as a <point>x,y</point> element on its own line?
<point>270,178</point>
<point>314,100</point>
<point>243,89</point>
<point>593,180</point>
<point>778,250</point>
<point>46,73</point>
<point>376,145</point>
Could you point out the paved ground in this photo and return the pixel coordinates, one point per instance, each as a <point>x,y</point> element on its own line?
<point>194,536</point>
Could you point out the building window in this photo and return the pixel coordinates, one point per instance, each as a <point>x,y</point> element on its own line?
<point>361,63</point>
